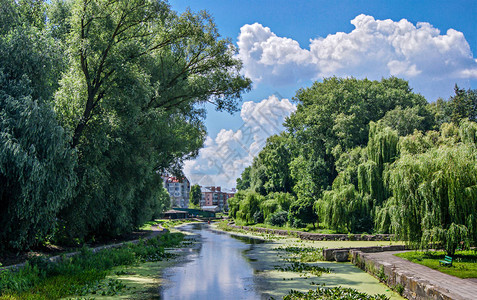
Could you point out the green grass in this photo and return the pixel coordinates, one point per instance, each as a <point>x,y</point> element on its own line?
<point>464,263</point>
<point>81,274</point>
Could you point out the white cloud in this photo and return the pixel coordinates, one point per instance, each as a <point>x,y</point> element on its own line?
<point>223,159</point>
<point>431,61</point>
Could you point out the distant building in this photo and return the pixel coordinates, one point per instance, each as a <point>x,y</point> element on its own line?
<point>179,189</point>
<point>216,196</point>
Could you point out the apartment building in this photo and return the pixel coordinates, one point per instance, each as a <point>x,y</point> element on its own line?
<point>179,189</point>
<point>216,196</point>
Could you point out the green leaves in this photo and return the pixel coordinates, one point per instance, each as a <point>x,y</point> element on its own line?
<point>138,73</point>
<point>195,195</point>
<point>36,170</point>
<point>435,193</point>
<point>127,81</point>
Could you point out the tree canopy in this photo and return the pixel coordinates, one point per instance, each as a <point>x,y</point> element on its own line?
<point>105,95</point>
<point>37,175</point>
<point>372,156</point>
<point>195,195</point>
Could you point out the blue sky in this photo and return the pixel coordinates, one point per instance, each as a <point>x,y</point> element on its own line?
<point>286,45</point>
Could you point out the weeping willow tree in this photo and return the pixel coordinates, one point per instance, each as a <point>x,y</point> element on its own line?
<point>276,202</point>
<point>435,196</point>
<point>345,209</point>
<point>249,207</point>
<point>350,205</point>
<point>468,132</point>
<point>382,149</point>
<point>234,203</point>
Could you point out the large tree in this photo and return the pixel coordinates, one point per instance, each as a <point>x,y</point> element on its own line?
<point>270,170</point>
<point>36,160</point>
<point>434,190</point>
<point>332,117</point>
<point>131,101</point>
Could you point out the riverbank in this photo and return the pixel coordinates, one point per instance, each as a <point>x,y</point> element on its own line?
<point>280,265</point>
<point>416,281</point>
<point>110,271</point>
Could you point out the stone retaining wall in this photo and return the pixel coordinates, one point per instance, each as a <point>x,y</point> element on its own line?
<point>318,236</point>
<point>412,287</point>
<point>342,254</point>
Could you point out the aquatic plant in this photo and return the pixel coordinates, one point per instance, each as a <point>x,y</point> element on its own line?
<point>332,294</point>
<point>303,268</point>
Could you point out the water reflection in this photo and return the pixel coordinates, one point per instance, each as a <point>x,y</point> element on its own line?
<point>218,270</point>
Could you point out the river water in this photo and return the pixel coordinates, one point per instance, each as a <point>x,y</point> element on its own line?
<point>218,269</point>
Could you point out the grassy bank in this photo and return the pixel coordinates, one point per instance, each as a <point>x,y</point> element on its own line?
<point>464,264</point>
<point>84,273</point>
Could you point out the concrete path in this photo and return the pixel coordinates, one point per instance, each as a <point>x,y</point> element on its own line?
<point>450,286</point>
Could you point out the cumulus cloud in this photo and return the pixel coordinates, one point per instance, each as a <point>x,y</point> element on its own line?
<point>374,49</point>
<point>224,157</point>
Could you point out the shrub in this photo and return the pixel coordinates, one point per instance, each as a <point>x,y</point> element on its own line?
<point>278,219</point>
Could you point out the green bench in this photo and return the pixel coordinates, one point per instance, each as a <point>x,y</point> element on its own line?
<point>446,262</point>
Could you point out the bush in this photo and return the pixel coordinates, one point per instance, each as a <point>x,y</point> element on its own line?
<point>301,213</point>
<point>278,219</point>
<point>258,217</point>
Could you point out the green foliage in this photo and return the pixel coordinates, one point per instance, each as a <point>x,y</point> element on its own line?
<point>337,112</point>
<point>303,268</point>
<point>332,294</point>
<point>332,142</point>
<point>234,203</point>
<point>36,162</point>
<point>36,170</point>
<point>195,195</point>
<point>406,121</point>
<point>464,105</point>
<point>79,275</point>
<point>349,206</point>
<point>278,218</point>
<point>27,13</point>
<point>468,133</point>
<point>270,170</point>
<point>130,100</point>
<point>461,106</point>
<point>249,206</point>
<point>301,213</point>
<point>127,81</point>
<point>243,182</point>
<point>435,194</point>
<point>303,254</point>
<point>345,210</point>
<point>276,202</point>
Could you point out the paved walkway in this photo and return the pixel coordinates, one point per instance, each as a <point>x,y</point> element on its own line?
<point>453,287</point>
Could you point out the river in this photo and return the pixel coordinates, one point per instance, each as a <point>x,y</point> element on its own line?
<point>224,266</point>
<point>217,270</point>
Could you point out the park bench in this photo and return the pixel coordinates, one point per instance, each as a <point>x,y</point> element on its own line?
<point>446,262</point>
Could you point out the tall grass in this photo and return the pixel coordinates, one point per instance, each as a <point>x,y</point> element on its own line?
<point>80,274</point>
